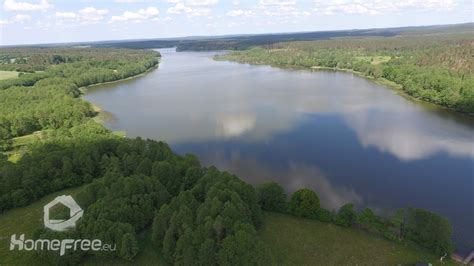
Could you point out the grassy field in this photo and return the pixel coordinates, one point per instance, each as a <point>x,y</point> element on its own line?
<point>23,220</point>
<point>20,145</point>
<point>27,139</point>
<point>374,60</point>
<point>295,241</point>
<point>8,74</point>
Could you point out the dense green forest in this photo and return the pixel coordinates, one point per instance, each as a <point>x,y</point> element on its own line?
<point>50,99</point>
<point>437,68</point>
<point>196,215</point>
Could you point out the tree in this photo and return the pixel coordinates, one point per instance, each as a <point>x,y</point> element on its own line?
<point>304,203</point>
<point>5,144</point>
<point>168,176</point>
<point>129,247</point>
<point>346,215</point>
<point>144,167</point>
<point>325,215</point>
<point>160,224</point>
<point>366,218</point>
<point>185,250</point>
<point>192,176</point>
<point>429,230</point>
<point>243,248</point>
<point>272,197</point>
<point>207,252</point>
<point>169,242</point>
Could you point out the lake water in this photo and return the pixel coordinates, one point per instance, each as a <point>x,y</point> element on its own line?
<point>348,138</point>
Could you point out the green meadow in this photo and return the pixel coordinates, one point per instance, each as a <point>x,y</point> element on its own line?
<point>298,241</point>
<point>8,74</point>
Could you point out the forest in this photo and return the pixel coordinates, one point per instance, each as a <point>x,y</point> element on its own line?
<point>195,214</point>
<point>436,68</point>
<point>49,97</point>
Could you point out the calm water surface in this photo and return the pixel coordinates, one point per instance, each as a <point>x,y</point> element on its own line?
<point>349,139</point>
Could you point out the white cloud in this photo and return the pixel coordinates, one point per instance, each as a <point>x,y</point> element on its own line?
<point>196,12</point>
<point>129,1</point>
<point>91,14</point>
<point>374,7</point>
<point>202,2</point>
<point>12,5</point>
<point>239,12</point>
<point>19,18</point>
<point>142,14</point>
<point>167,19</point>
<point>67,15</point>
<point>281,9</point>
<point>150,11</point>
<point>277,3</point>
<point>179,8</point>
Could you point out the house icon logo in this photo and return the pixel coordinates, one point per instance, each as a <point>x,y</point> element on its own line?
<point>75,213</point>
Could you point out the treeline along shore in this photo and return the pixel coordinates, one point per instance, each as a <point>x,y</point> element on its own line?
<point>437,68</point>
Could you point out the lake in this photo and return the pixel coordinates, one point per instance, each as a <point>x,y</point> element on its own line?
<point>348,138</point>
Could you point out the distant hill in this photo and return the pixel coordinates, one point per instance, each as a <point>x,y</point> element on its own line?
<point>241,42</point>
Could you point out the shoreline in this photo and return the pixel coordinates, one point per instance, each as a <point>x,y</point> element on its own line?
<point>102,116</point>
<point>382,81</point>
<point>84,89</point>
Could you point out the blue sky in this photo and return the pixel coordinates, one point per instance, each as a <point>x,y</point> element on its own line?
<point>49,21</point>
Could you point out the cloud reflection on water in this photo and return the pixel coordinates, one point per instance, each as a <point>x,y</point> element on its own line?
<point>235,125</point>
<point>292,177</point>
<point>195,99</point>
<point>408,142</point>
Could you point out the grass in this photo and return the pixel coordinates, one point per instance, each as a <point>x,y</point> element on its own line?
<point>374,60</point>
<point>297,241</point>
<point>15,156</point>
<point>27,139</point>
<point>24,220</point>
<point>103,117</point>
<point>120,133</point>
<point>8,74</point>
<point>20,145</point>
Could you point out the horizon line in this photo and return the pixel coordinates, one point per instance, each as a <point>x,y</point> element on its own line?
<point>224,35</point>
